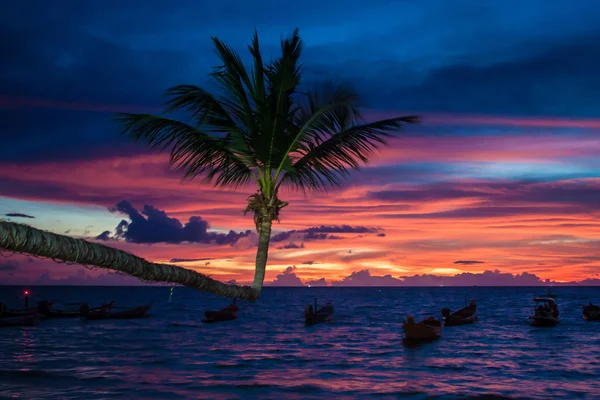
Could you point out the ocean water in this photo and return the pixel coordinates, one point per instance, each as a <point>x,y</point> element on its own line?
<point>268,352</point>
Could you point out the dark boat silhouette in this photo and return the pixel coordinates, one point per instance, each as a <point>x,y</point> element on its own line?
<point>591,312</point>
<point>546,311</point>
<point>426,330</point>
<point>16,312</point>
<point>323,314</point>
<point>108,313</point>
<point>46,309</point>
<point>464,316</point>
<point>225,314</point>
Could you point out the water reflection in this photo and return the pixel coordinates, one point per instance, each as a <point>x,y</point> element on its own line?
<point>269,353</point>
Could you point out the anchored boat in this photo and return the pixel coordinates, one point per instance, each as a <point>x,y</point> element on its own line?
<point>428,329</point>
<point>591,312</point>
<point>466,315</point>
<point>546,311</point>
<point>322,314</point>
<point>225,314</point>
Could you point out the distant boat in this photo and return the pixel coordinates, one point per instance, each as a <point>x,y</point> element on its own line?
<point>591,312</point>
<point>19,320</point>
<point>546,311</point>
<point>16,312</point>
<point>466,315</point>
<point>428,329</point>
<point>228,313</point>
<point>107,313</point>
<point>323,314</point>
<point>47,310</point>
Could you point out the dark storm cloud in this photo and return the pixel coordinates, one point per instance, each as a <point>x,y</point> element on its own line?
<point>501,198</point>
<point>18,215</point>
<point>155,226</point>
<point>468,262</point>
<point>184,260</point>
<point>321,232</point>
<point>403,55</point>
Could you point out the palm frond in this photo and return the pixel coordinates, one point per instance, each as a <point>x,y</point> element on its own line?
<point>192,150</point>
<point>326,163</point>
<point>282,77</point>
<point>213,116</point>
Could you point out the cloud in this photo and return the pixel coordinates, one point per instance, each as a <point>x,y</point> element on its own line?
<point>18,215</point>
<point>292,246</point>
<point>155,226</point>
<point>317,283</point>
<point>468,262</point>
<point>322,232</point>
<point>83,278</point>
<point>8,268</point>
<point>185,260</point>
<point>364,278</point>
<point>287,278</point>
<point>104,236</point>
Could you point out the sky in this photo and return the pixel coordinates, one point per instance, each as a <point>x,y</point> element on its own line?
<point>499,184</point>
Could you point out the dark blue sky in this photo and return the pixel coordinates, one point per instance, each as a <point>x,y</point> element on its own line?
<point>532,58</point>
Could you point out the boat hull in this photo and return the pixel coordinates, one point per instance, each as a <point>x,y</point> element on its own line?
<point>317,318</point>
<point>219,316</point>
<point>591,313</point>
<point>421,331</point>
<point>138,312</point>
<point>455,321</point>
<point>544,321</point>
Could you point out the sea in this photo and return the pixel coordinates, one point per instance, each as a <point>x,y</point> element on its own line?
<point>268,352</point>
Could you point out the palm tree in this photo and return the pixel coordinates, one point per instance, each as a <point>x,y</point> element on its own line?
<point>261,129</point>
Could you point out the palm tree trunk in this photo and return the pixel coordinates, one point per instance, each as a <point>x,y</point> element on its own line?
<point>20,238</point>
<point>262,254</point>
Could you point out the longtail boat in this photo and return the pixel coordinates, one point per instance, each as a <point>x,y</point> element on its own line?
<point>107,313</point>
<point>428,329</point>
<point>46,309</point>
<point>322,314</point>
<point>591,312</point>
<point>466,315</point>
<point>228,313</point>
<point>16,312</point>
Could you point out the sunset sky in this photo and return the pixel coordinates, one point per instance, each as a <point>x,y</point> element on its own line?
<point>502,174</point>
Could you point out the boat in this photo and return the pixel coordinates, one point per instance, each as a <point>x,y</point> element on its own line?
<point>107,313</point>
<point>20,320</point>
<point>428,329</point>
<point>46,309</point>
<point>16,312</point>
<point>225,314</point>
<point>323,314</point>
<point>464,316</point>
<point>591,312</point>
<point>546,311</point>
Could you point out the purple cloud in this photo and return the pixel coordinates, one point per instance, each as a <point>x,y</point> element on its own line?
<point>317,283</point>
<point>287,278</point>
<point>155,226</point>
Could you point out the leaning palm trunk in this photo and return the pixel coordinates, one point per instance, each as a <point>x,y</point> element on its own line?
<point>22,238</point>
